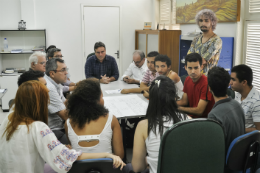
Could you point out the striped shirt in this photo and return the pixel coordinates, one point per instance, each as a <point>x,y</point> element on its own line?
<point>56,104</point>
<point>251,107</point>
<point>149,77</point>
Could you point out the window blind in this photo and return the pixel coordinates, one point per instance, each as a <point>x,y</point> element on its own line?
<point>168,15</point>
<point>165,11</point>
<point>253,51</point>
<point>174,25</point>
<point>254,6</point>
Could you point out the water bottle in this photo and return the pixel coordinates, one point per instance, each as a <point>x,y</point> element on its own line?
<point>5,45</point>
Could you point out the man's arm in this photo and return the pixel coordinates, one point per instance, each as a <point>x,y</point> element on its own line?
<point>257,127</point>
<point>256,117</point>
<point>184,100</point>
<point>111,79</point>
<point>128,72</point>
<point>63,114</point>
<point>132,81</point>
<point>198,111</point>
<point>143,87</point>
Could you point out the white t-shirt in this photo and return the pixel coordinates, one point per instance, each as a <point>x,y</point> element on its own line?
<point>26,151</point>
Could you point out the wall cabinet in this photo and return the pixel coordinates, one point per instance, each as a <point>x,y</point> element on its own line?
<point>166,42</point>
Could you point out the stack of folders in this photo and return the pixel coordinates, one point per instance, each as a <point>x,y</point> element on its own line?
<point>17,51</point>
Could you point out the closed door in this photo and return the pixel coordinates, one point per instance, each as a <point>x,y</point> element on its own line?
<point>102,24</point>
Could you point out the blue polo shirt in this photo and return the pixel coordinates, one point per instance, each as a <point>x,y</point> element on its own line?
<point>94,68</point>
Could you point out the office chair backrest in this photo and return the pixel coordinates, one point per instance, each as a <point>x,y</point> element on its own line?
<point>102,165</point>
<point>243,152</point>
<point>89,55</point>
<point>196,146</point>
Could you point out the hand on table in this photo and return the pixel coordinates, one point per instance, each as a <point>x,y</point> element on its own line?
<point>104,79</point>
<point>130,80</point>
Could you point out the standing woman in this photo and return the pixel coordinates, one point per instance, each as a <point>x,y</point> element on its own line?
<point>162,113</point>
<point>26,142</point>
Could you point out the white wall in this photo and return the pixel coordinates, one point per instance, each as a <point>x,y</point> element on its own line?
<point>62,21</point>
<point>222,30</point>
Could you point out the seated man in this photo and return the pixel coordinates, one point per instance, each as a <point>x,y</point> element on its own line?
<point>162,67</point>
<point>149,75</point>
<point>56,71</point>
<point>136,69</point>
<point>101,65</point>
<point>56,53</point>
<point>196,92</point>
<point>37,61</point>
<point>226,110</point>
<point>247,95</point>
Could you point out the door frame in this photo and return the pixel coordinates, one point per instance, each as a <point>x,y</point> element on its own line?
<point>120,35</point>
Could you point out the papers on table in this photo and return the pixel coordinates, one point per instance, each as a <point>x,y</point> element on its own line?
<point>126,106</point>
<point>116,91</point>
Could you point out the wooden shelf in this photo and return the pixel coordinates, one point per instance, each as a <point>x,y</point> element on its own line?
<point>168,44</point>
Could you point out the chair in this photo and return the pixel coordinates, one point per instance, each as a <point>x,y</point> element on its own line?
<point>196,146</point>
<point>183,78</point>
<point>11,103</point>
<point>231,93</point>
<point>243,152</point>
<point>102,165</point>
<point>89,55</point>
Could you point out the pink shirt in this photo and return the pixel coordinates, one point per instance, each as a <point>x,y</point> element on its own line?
<point>148,77</point>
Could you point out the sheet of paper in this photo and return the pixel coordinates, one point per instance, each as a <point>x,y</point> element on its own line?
<point>116,91</point>
<point>127,105</point>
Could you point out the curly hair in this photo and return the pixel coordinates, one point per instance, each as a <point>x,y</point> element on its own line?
<point>83,104</point>
<point>208,14</point>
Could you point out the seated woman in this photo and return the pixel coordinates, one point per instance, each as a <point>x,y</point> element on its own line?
<point>90,127</point>
<point>26,142</point>
<point>162,113</point>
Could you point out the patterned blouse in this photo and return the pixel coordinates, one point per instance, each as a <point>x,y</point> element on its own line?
<point>209,50</point>
<point>26,151</point>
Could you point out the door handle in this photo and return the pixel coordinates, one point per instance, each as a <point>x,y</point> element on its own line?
<point>117,53</point>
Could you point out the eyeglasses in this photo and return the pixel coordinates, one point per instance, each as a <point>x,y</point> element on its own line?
<point>42,63</point>
<point>58,56</point>
<point>137,62</point>
<point>62,70</point>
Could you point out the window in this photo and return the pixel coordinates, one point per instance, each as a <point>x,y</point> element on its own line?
<point>252,30</point>
<point>168,15</point>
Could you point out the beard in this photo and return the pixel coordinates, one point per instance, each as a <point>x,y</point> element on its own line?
<point>204,29</point>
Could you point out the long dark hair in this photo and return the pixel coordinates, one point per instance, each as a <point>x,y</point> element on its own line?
<point>83,104</point>
<point>162,104</point>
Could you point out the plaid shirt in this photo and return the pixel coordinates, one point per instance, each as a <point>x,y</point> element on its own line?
<point>94,68</point>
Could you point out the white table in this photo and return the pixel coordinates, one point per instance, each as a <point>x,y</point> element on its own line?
<point>122,85</point>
